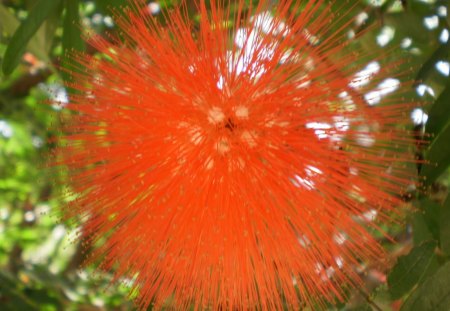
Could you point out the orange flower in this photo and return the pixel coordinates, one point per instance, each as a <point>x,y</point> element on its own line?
<point>235,165</point>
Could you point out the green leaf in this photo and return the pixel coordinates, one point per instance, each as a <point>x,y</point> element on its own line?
<point>438,125</point>
<point>72,34</point>
<point>50,26</point>
<point>12,296</point>
<point>8,22</point>
<point>41,11</point>
<point>39,45</point>
<point>107,6</point>
<point>439,113</point>
<point>444,227</point>
<point>421,231</point>
<point>433,294</point>
<point>410,269</point>
<point>438,156</point>
<point>71,40</point>
<point>440,53</point>
<point>430,212</point>
<point>448,16</point>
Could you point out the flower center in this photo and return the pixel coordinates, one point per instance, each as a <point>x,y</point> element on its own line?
<point>230,124</point>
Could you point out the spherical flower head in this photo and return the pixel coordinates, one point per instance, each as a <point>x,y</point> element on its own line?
<point>234,163</point>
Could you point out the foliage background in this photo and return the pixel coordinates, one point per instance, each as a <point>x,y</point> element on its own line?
<point>40,256</point>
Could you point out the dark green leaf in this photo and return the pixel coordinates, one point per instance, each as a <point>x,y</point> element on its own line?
<point>107,6</point>
<point>438,156</point>
<point>419,7</point>
<point>440,53</point>
<point>438,126</point>
<point>430,212</point>
<point>71,40</point>
<point>433,294</point>
<point>12,297</point>
<point>448,15</point>
<point>421,232</point>
<point>48,29</point>
<point>41,11</point>
<point>72,35</point>
<point>410,269</point>
<point>439,113</point>
<point>445,226</point>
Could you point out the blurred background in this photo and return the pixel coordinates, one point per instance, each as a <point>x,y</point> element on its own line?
<point>40,255</point>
